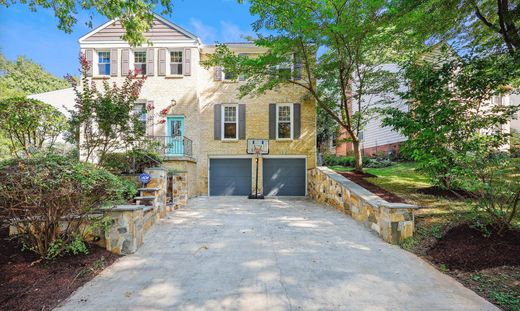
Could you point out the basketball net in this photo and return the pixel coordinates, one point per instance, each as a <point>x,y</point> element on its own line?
<point>258,150</point>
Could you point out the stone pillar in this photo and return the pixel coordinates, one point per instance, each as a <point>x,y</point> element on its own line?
<point>159,179</point>
<point>126,234</point>
<point>180,188</point>
<point>396,222</point>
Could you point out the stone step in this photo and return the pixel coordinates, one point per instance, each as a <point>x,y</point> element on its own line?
<point>148,189</point>
<point>149,197</point>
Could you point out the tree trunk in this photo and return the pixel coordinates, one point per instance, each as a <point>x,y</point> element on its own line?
<point>357,156</point>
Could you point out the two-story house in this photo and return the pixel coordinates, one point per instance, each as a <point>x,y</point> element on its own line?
<point>207,129</point>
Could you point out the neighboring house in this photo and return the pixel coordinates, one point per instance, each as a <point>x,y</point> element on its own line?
<point>375,138</point>
<point>207,129</point>
<point>63,100</point>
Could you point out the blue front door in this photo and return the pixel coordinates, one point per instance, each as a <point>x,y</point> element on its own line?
<point>175,139</point>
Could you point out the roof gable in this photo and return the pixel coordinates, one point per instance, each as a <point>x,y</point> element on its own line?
<point>161,30</point>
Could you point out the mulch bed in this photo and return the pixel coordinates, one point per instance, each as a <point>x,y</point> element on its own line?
<point>439,192</point>
<point>43,285</point>
<point>467,249</point>
<point>359,178</point>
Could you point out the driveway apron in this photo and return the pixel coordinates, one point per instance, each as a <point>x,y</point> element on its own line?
<point>230,253</point>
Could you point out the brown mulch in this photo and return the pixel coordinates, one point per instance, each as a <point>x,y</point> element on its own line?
<point>467,249</point>
<point>26,284</point>
<point>359,178</point>
<point>439,192</point>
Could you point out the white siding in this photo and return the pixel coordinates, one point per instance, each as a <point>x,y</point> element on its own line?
<point>515,122</point>
<point>63,100</point>
<point>374,134</point>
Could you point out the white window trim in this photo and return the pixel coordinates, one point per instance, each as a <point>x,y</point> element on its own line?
<point>237,121</point>
<point>168,63</point>
<point>131,58</point>
<point>96,63</point>
<point>291,107</point>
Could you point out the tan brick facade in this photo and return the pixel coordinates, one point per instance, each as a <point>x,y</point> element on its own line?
<point>197,94</point>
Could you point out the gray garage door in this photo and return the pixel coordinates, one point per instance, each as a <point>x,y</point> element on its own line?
<point>284,177</point>
<point>229,176</point>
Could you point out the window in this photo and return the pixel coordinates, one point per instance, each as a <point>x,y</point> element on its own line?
<point>230,121</point>
<point>227,76</point>
<point>140,62</point>
<point>140,112</point>
<point>176,59</point>
<point>242,77</point>
<point>284,121</point>
<point>104,63</point>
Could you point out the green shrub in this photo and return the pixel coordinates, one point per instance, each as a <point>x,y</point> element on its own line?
<point>131,162</point>
<point>376,163</point>
<point>37,194</point>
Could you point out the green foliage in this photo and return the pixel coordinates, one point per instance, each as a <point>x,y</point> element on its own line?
<point>494,179</point>
<point>30,125</point>
<point>39,193</point>
<point>135,16</point>
<point>105,118</point>
<point>24,77</point>
<point>131,162</point>
<point>332,160</point>
<point>508,300</point>
<point>451,114</point>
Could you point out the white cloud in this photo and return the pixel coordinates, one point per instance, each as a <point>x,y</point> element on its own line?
<point>228,32</point>
<point>207,33</point>
<point>231,32</point>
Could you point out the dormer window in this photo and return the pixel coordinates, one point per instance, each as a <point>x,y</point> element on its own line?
<point>140,62</point>
<point>176,60</point>
<point>104,63</point>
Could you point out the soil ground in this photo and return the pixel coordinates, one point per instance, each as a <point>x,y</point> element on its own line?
<point>28,284</point>
<point>359,178</point>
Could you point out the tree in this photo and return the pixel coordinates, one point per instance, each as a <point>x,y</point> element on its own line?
<point>24,77</point>
<point>452,115</point>
<point>480,26</point>
<point>356,37</point>
<point>30,125</point>
<point>104,120</point>
<point>136,16</point>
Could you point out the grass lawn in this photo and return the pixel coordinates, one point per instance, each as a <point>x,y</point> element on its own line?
<point>435,217</point>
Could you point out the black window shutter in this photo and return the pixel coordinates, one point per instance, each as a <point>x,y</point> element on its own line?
<point>272,121</point>
<point>297,121</point>
<point>217,121</point>
<point>241,121</point>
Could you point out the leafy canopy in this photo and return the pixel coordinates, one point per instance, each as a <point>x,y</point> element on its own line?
<point>136,16</point>
<point>30,125</point>
<point>23,77</point>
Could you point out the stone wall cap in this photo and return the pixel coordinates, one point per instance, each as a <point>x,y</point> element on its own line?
<point>124,208</point>
<point>181,159</point>
<point>155,169</point>
<point>366,195</point>
<point>399,205</point>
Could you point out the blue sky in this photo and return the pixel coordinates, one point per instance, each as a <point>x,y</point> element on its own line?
<point>36,36</point>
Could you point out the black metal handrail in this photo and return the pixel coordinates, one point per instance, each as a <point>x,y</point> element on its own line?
<point>170,146</point>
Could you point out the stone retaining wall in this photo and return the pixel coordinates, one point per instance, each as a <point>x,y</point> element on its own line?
<point>394,222</point>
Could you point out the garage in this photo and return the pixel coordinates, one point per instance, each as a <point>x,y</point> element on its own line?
<point>230,177</point>
<point>284,177</point>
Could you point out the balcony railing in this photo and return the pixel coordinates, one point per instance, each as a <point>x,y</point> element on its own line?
<point>169,146</point>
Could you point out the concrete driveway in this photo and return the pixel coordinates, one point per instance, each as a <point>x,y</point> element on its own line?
<point>236,254</point>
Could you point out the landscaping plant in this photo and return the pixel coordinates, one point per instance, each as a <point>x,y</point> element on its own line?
<point>30,125</point>
<point>48,199</point>
<point>105,118</point>
<point>131,162</point>
<point>451,114</point>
